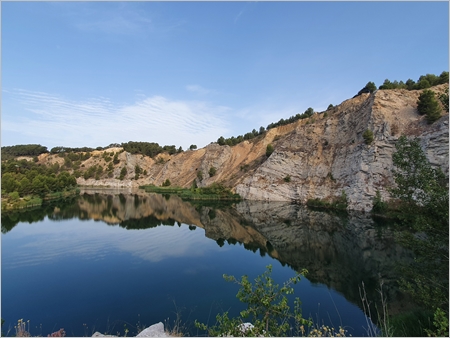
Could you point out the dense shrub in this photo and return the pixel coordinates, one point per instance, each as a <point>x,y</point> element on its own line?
<point>269,149</point>
<point>123,173</point>
<point>428,105</point>
<point>379,206</point>
<point>267,308</point>
<point>368,136</point>
<point>444,100</point>
<point>212,171</point>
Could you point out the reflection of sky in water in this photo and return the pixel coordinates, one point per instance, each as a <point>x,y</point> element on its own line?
<point>71,272</point>
<point>44,242</point>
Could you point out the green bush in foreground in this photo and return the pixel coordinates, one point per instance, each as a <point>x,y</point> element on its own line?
<point>267,309</point>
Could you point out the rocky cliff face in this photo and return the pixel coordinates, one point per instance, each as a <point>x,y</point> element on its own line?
<point>329,156</point>
<point>324,155</point>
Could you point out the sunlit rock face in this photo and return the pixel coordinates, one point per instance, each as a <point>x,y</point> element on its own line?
<point>330,155</point>
<point>319,157</point>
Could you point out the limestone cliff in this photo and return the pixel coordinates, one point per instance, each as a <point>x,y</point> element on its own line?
<point>323,155</point>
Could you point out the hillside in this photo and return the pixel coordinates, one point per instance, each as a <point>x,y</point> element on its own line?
<point>318,157</point>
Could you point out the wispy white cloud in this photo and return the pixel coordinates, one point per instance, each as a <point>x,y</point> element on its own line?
<point>115,22</point>
<point>99,122</point>
<point>198,89</point>
<point>120,19</point>
<point>238,16</point>
<point>55,240</point>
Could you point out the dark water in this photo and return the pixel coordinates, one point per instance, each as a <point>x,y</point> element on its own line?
<point>103,262</point>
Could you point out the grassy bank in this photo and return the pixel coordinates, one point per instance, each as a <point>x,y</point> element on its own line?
<point>13,202</point>
<point>213,192</point>
<point>339,203</point>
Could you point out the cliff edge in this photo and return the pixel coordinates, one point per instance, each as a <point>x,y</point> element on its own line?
<point>318,157</point>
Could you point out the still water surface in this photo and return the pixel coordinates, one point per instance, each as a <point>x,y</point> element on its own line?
<point>105,261</point>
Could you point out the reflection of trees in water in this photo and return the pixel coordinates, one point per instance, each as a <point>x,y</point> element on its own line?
<point>11,219</point>
<point>338,250</point>
<point>145,223</point>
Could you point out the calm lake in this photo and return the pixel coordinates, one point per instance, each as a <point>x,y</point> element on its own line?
<point>114,259</point>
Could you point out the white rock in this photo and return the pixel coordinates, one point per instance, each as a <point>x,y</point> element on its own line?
<point>156,330</point>
<point>98,334</point>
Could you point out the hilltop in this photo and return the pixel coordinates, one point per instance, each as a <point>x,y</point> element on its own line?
<point>322,156</point>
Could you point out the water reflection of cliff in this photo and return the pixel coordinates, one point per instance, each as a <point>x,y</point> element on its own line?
<point>338,251</point>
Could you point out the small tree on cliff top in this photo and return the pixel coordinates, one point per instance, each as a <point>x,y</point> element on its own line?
<point>428,105</point>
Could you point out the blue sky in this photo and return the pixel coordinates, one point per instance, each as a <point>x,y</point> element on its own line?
<point>93,73</point>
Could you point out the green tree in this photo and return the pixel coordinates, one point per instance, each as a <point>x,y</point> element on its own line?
<point>309,112</point>
<point>368,136</point>
<point>116,158</point>
<point>39,187</point>
<point>267,308</point>
<point>212,171</point>
<point>371,86</point>
<point>429,106</point>
<point>137,169</point>
<point>166,183</point>
<point>200,175</point>
<point>410,84</point>
<point>443,78</point>
<point>379,206</point>
<point>193,147</point>
<point>387,84</point>
<point>269,149</point>
<point>25,186</point>
<point>368,88</point>
<point>423,83</point>
<point>444,99</point>
<point>9,183</point>
<point>123,173</point>
<point>14,196</point>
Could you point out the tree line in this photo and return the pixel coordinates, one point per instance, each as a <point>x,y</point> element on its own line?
<point>149,148</point>
<point>232,141</point>
<point>424,82</point>
<point>22,178</point>
<point>10,152</point>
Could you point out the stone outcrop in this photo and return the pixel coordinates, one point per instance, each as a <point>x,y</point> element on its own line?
<point>156,330</point>
<point>318,157</point>
<point>330,155</point>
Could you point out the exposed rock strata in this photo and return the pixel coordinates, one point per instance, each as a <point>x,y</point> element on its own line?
<point>323,155</point>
